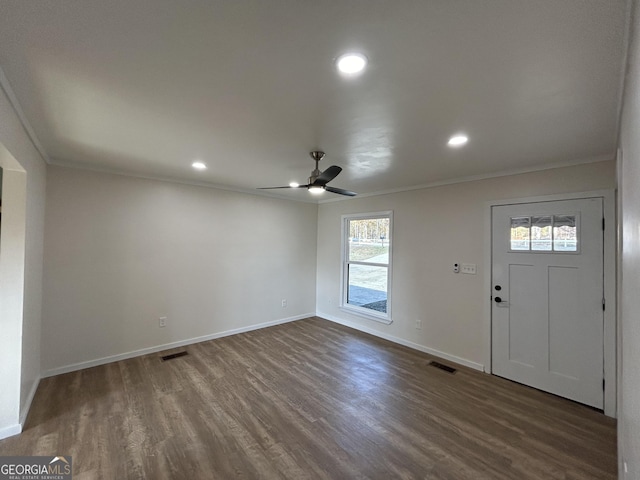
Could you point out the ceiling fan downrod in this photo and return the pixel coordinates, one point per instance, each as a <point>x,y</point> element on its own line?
<point>317,156</point>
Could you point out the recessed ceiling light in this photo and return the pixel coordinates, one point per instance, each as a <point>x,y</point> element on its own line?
<point>294,184</point>
<point>199,166</point>
<point>351,63</point>
<point>316,190</point>
<point>458,140</point>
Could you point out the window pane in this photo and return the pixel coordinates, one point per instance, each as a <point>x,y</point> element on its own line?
<point>369,240</point>
<point>367,287</point>
<point>541,233</point>
<point>520,233</point>
<point>565,233</point>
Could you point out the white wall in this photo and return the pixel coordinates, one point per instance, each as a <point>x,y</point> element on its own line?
<point>122,252</point>
<point>433,229</point>
<point>23,212</point>
<point>629,407</point>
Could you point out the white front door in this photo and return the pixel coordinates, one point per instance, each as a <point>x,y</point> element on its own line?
<point>547,297</point>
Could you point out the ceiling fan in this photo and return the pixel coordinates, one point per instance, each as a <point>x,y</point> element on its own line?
<point>318,180</point>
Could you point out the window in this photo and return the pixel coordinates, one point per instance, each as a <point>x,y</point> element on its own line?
<point>544,233</point>
<point>366,274</point>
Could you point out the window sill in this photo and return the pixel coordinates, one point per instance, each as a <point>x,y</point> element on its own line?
<point>365,313</point>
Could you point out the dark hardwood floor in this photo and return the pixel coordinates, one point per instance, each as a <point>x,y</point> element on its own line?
<point>309,399</point>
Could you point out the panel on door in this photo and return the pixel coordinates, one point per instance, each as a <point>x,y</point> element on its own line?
<point>547,290</point>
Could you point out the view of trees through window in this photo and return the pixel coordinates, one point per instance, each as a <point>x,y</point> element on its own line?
<point>367,263</point>
<point>544,233</point>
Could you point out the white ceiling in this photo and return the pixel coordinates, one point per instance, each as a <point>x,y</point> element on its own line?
<point>145,87</point>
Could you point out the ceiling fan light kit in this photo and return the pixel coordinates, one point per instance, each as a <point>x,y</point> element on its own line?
<point>318,180</point>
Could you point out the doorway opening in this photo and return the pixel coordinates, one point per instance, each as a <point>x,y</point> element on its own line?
<point>12,280</point>
<point>537,308</point>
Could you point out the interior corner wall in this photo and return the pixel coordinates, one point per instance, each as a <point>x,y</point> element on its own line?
<point>433,229</point>
<point>22,163</point>
<point>629,397</point>
<point>121,252</point>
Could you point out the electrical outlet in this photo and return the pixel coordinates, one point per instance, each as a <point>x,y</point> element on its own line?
<point>469,268</point>
<point>284,302</point>
<point>419,324</point>
<point>162,322</point>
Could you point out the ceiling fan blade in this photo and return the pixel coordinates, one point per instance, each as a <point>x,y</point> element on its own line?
<point>328,175</point>
<point>340,191</point>
<point>288,186</point>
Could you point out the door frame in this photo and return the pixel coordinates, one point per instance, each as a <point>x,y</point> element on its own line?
<point>609,279</point>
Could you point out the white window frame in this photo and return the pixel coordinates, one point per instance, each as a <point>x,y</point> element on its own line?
<point>344,279</point>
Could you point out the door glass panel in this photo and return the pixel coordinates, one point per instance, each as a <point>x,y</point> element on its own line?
<point>541,233</point>
<point>544,233</point>
<point>565,233</point>
<point>520,233</point>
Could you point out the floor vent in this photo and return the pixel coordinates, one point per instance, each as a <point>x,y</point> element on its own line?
<point>446,368</point>
<point>174,355</point>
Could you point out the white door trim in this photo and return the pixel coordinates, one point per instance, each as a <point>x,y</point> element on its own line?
<point>609,256</point>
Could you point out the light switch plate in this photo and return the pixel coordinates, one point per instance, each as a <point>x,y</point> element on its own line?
<point>468,268</point>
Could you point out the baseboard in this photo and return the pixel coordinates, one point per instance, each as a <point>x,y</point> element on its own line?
<point>10,431</point>
<point>406,343</point>
<point>181,343</point>
<point>24,411</point>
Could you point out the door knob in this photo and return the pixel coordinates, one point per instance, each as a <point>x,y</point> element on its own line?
<point>498,299</point>
<point>498,288</point>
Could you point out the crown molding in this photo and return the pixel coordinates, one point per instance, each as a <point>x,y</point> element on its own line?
<point>474,178</point>
<point>158,178</point>
<point>261,193</point>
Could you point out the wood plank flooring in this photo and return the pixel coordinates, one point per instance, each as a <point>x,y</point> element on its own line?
<point>305,400</point>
